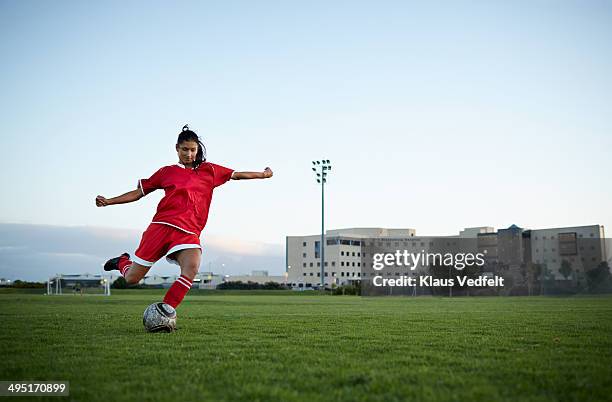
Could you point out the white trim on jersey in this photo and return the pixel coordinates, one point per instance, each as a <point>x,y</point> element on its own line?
<point>140,186</point>
<point>174,226</point>
<point>180,247</point>
<point>142,262</point>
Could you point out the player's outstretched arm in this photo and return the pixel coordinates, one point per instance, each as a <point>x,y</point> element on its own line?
<point>266,174</point>
<point>130,196</point>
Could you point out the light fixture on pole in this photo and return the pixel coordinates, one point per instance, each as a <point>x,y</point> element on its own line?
<point>321,168</point>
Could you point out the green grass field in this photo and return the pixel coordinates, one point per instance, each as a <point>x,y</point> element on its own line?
<point>311,347</point>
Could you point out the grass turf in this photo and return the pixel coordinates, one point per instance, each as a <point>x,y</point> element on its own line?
<point>299,347</point>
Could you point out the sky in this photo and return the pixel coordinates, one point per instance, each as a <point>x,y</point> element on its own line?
<point>435,115</point>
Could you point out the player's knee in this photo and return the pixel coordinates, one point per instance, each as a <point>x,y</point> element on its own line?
<point>132,279</point>
<point>190,269</point>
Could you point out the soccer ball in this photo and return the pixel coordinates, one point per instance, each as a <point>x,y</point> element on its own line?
<point>159,317</point>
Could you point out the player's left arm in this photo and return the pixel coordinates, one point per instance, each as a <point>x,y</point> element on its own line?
<point>266,174</point>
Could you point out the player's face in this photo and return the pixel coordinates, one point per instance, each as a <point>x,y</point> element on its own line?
<point>187,151</point>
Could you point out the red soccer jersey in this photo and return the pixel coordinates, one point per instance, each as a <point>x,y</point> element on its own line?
<point>188,194</point>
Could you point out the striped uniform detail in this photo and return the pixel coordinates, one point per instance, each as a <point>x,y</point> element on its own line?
<point>184,281</point>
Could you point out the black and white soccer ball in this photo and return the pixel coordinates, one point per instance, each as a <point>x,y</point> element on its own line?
<point>159,317</point>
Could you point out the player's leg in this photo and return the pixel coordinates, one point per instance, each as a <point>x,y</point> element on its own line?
<point>132,271</point>
<point>135,272</point>
<point>189,261</point>
<point>152,247</point>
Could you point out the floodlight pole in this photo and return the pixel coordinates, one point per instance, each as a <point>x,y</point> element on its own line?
<point>323,234</point>
<point>325,167</point>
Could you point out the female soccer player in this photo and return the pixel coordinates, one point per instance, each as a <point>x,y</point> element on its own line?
<point>181,214</point>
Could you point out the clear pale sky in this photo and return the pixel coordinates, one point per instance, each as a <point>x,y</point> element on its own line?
<point>436,115</point>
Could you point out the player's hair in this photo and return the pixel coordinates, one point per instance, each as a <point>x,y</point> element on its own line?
<point>187,135</point>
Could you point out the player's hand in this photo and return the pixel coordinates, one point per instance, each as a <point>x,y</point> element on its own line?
<point>267,173</point>
<point>101,201</point>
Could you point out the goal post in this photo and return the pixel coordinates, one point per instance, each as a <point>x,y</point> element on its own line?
<point>86,284</point>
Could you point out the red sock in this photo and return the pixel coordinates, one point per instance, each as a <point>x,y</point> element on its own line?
<point>124,264</point>
<point>177,291</point>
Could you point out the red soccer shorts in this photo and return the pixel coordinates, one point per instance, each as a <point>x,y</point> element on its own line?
<point>162,240</point>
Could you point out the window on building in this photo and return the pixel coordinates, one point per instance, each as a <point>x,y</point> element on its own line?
<point>342,253</point>
<point>303,255</point>
<point>304,244</point>
<point>341,263</point>
<point>304,265</point>
<point>318,264</point>
<point>325,263</point>
<point>353,253</point>
<point>317,249</point>
<point>342,273</point>
<point>358,254</point>
<point>333,263</point>
<point>311,265</point>
<point>304,273</point>
<point>311,274</point>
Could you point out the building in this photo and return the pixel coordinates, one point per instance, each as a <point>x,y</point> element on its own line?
<point>473,232</point>
<point>207,280</point>
<point>157,281</point>
<point>507,251</point>
<point>343,257</point>
<point>583,247</point>
<point>260,277</point>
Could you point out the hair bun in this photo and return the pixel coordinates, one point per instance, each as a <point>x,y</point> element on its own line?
<point>186,127</point>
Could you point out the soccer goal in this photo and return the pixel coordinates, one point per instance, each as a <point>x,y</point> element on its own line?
<point>85,284</point>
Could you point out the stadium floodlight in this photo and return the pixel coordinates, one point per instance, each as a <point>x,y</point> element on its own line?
<point>322,168</point>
